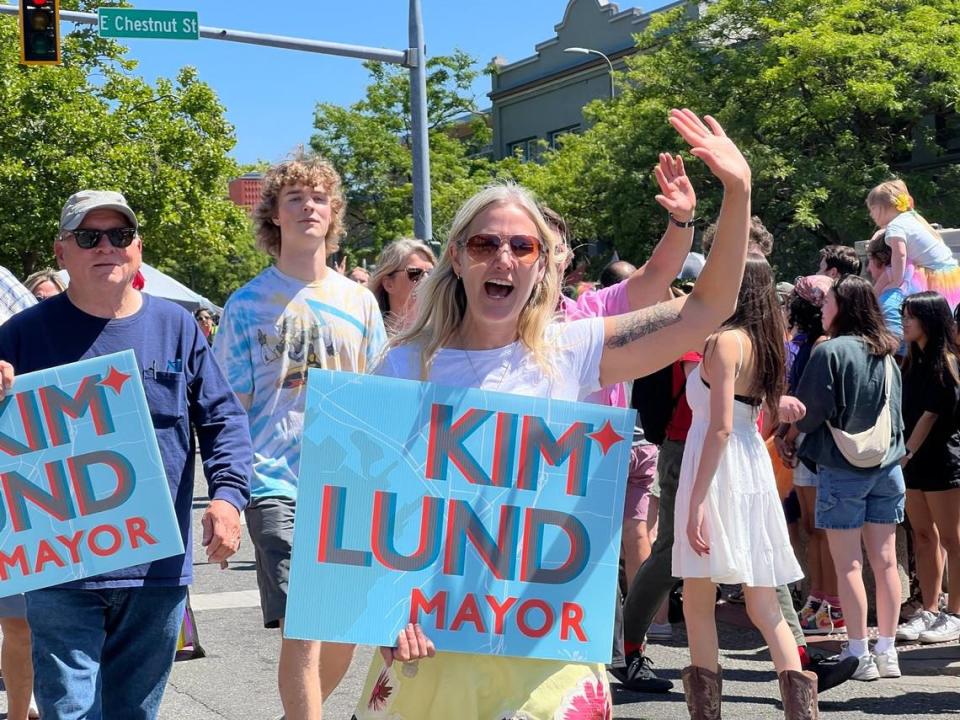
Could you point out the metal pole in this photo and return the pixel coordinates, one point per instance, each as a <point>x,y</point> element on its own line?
<point>613,90</point>
<point>396,57</point>
<point>419,129</point>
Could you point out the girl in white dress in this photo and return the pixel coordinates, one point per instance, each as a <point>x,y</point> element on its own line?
<point>727,499</point>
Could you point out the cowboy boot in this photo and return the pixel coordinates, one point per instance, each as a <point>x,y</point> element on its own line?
<point>702,690</point>
<point>799,692</point>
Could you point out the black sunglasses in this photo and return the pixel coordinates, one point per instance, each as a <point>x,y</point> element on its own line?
<point>118,237</point>
<point>414,275</point>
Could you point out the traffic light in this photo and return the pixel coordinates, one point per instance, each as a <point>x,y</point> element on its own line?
<point>40,32</point>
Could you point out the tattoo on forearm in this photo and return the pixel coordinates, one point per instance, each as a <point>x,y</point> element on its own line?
<point>638,324</point>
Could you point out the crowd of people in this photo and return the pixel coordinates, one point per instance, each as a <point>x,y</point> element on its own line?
<point>846,386</point>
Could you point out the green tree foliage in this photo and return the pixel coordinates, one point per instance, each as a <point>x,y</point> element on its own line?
<point>369,143</point>
<point>92,124</point>
<point>826,97</point>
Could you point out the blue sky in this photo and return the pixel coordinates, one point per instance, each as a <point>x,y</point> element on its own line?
<point>270,94</point>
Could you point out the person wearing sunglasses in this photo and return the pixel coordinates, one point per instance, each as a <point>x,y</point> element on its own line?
<point>485,319</point>
<point>400,268</point>
<point>88,634</point>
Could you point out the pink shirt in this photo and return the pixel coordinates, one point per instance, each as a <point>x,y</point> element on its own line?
<point>600,303</point>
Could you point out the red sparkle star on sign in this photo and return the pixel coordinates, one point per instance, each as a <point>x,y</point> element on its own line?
<point>114,380</point>
<point>606,436</point>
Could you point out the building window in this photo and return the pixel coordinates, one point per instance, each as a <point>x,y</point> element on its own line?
<point>528,148</point>
<point>556,135</point>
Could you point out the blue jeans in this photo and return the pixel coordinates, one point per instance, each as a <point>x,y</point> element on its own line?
<point>103,653</point>
<point>846,499</point>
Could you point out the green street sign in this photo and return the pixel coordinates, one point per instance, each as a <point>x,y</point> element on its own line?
<point>158,24</point>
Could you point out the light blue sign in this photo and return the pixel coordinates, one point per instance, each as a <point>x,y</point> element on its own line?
<point>82,486</point>
<point>491,519</point>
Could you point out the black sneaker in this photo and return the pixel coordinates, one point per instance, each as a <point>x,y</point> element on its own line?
<point>638,676</point>
<point>830,669</point>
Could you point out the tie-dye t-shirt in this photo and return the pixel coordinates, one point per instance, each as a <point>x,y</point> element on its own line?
<point>273,329</point>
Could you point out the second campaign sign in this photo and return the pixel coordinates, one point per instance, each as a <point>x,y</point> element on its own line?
<point>493,520</point>
<point>82,485</point>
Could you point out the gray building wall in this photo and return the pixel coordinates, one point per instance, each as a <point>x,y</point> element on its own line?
<point>539,97</point>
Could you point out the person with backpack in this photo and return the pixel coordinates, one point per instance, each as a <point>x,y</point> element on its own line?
<point>666,418</point>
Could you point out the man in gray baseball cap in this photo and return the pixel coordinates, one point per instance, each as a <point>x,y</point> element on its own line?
<point>104,645</point>
<point>79,204</point>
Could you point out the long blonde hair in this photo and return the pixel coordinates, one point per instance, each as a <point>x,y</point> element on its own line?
<point>442,301</point>
<point>893,194</point>
<point>391,259</point>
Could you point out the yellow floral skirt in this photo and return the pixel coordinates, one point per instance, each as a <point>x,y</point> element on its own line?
<point>484,687</point>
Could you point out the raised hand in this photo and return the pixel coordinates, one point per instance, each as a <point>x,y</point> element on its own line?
<point>710,143</point>
<point>677,196</point>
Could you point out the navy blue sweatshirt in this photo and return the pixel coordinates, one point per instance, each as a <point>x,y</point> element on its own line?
<point>183,384</point>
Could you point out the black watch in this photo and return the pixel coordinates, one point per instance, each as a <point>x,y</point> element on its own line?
<point>679,223</point>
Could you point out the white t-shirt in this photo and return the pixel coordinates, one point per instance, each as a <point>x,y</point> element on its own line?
<point>575,349</point>
<point>924,249</point>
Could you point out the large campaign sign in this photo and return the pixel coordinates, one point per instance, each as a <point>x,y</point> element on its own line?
<point>493,520</point>
<point>82,486</point>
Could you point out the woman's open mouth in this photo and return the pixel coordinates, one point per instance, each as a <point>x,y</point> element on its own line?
<point>498,288</point>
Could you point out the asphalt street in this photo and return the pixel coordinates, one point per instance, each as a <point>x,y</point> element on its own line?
<point>237,678</point>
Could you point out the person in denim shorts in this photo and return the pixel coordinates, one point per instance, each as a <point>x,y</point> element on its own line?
<point>844,386</point>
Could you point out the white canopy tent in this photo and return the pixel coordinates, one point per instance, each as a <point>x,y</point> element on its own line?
<point>162,285</point>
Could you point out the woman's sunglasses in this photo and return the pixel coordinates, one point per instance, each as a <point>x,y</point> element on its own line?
<point>414,274</point>
<point>118,237</point>
<point>485,246</point>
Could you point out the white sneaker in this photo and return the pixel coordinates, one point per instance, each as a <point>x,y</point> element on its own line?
<point>911,629</point>
<point>867,667</point>
<point>888,664</point>
<point>658,631</point>
<point>946,628</point>
<point>33,713</point>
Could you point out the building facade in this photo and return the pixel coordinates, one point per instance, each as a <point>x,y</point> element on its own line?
<point>539,99</point>
<point>245,190</point>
